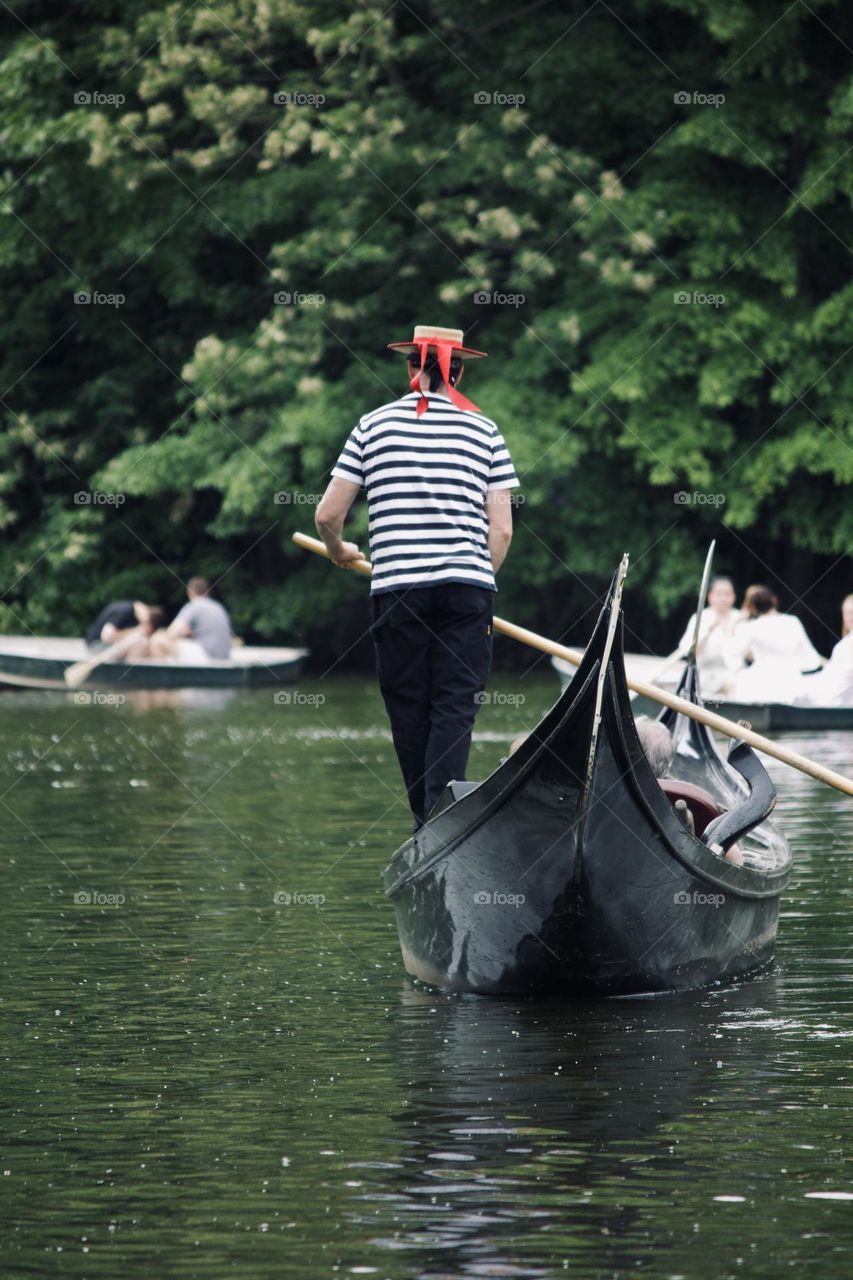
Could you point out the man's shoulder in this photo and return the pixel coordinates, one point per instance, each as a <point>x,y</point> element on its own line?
<point>402,407</point>
<point>474,418</point>
<point>490,425</point>
<point>203,606</point>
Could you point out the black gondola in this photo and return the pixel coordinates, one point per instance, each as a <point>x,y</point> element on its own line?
<point>568,871</point>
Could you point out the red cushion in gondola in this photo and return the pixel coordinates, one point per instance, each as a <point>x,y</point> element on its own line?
<point>701,803</point>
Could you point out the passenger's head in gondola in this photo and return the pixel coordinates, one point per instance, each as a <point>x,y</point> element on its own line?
<point>656,741</point>
<point>847,615</point>
<point>759,600</point>
<point>721,595</point>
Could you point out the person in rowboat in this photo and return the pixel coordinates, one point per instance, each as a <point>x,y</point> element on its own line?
<point>125,620</point>
<point>201,631</point>
<point>438,475</point>
<point>776,646</point>
<point>716,656</point>
<point>833,686</point>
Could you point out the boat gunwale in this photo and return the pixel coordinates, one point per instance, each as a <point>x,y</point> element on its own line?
<point>250,666</point>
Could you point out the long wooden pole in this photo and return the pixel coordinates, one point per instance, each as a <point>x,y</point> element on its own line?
<point>709,718</point>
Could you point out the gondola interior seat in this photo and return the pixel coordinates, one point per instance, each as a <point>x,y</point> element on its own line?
<point>700,802</point>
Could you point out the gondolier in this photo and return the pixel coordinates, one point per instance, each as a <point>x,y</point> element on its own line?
<point>438,476</point>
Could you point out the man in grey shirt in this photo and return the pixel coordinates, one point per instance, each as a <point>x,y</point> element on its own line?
<point>203,620</point>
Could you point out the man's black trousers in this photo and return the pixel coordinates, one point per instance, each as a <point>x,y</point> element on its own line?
<point>433,657</point>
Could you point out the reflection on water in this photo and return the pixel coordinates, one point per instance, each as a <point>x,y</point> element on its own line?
<point>215,1067</point>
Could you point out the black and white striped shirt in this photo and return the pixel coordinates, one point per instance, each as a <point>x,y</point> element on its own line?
<point>426,481</point>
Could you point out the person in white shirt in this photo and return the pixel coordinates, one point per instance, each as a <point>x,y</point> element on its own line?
<point>776,646</point>
<point>716,657</point>
<point>833,686</point>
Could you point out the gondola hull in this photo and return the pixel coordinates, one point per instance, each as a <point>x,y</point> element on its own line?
<point>638,921</point>
<point>568,872</point>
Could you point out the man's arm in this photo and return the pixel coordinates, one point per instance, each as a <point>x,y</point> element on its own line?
<point>179,628</point>
<point>331,513</point>
<point>499,513</point>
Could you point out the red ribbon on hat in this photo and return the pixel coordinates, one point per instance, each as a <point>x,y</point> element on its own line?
<point>443,351</point>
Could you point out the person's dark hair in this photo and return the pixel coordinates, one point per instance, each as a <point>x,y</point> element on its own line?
<point>759,599</point>
<point>157,615</point>
<point>431,368</point>
<point>198,586</point>
<point>845,630</point>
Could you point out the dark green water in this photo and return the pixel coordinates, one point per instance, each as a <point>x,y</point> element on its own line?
<point>201,1081</point>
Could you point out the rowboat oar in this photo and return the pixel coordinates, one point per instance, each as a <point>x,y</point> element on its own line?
<point>671,700</point>
<point>80,671</point>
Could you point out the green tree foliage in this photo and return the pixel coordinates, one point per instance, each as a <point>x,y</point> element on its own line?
<point>667,186</point>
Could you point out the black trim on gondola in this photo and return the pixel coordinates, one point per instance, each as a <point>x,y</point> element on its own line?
<point>730,827</point>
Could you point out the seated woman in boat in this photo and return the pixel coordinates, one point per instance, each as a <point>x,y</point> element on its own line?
<point>833,686</point>
<point>659,749</point>
<point>716,657</point>
<point>126,620</point>
<point>776,646</point>
<point>200,633</point>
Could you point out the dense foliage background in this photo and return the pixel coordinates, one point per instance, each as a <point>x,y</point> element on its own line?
<point>657,192</point>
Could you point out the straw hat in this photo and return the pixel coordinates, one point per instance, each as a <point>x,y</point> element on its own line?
<point>432,335</point>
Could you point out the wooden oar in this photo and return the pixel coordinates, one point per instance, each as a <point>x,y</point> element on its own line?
<point>79,673</point>
<point>713,721</point>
